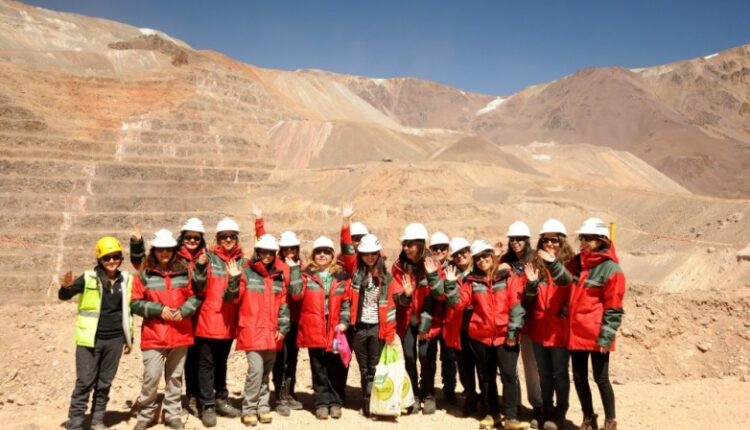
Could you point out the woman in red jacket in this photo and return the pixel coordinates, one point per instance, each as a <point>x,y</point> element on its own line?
<point>324,297</point>
<point>217,321</point>
<point>260,290</point>
<point>493,329</point>
<point>595,313</point>
<point>163,296</point>
<point>373,312</point>
<point>547,325</point>
<point>417,275</point>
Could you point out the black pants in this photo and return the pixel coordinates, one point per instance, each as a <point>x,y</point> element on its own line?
<point>489,359</point>
<point>95,369</point>
<point>285,366</point>
<point>212,369</point>
<point>600,366</point>
<point>447,366</point>
<point>426,352</point>
<point>192,381</point>
<point>328,377</point>
<point>367,348</point>
<point>467,367</point>
<point>552,363</point>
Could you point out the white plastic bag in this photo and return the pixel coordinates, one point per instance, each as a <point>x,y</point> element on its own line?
<point>391,389</point>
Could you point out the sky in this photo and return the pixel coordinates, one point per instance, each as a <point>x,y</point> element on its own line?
<point>492,47</point>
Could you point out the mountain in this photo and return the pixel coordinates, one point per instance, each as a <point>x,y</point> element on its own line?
<point>103,124</point>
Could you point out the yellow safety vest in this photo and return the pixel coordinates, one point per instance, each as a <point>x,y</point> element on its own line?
<point>89,307</point>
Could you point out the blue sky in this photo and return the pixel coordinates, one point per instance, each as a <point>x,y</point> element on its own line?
<point>493,47</point>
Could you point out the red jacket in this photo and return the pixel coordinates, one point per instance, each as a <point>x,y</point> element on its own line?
<point>427,284</point>
<point>152,291</point>
<point>318,328</point>
<point>261,297</point>
<point>386,303</point>
<point>453,319</point>
<point>498,313</point>
<point>595,309</point>
<point>217,318</point>
<point>546,320</point>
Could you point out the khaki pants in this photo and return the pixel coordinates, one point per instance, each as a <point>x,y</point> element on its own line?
<point>257,396</point>
<point>171,362</point>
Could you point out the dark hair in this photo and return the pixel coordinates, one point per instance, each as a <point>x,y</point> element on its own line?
<point>201,244</point>
<point>515,261</point>
<point>493,269</point>
<point>151,262</point>
<point>415,268</point>
<point>566,251</point>
<point>378,268</point>
<point>281,254</point>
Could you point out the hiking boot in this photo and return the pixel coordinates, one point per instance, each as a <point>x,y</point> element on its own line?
<point>294,404</point>
<point>208,417</point>
<point>225,409</point>
<point>140,425</point>
<point>192,406</point>
<point>336,411</point>
<point>487,422</point>
<point>470,405</point>
<point>98,426</point>
<point>429,406</point>
<point>174,423</point>
<point>610,425</point>
<point>554,419</point>
<point>282,408</point>
<point>250,420</point>
<point>449,397</point>
<point>321,412</point>
<point>265,417</point>
<point>537,418</point>
<point>514,424</point>
<point>589,423</point>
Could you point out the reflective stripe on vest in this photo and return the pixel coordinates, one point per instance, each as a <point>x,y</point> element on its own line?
<point>89,307</point>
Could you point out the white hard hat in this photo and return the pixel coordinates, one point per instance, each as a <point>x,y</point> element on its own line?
<point>193,224</point>
<point>163,239</point>
<point>357,229</point>
<point>227,224</point>
<point>594,226</point>
<point>457,244</point>
<point>323,242</point>
<point>288,239</point>
<point>553,226</point>
<point>439,238</point>
<point>369,243</point>
<point>268,242</point>
<point>479,246</point>
<point>415,231</point>
<point>519,229</point>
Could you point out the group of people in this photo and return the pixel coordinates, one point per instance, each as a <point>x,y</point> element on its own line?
<point>480,305</point>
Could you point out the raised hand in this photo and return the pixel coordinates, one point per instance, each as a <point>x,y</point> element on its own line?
<point>429,265</point>
<point>546,256</point>
<point>232,268</point>
<point>503,266</point>
<point>290,262</point>
<point>67,280</point>
<point>408,286</point>
<point>451,273</point>
<point>532,274</point>
<point>499,248</point>
<point>347,210</point>
<point>257,212</point>
<point>135,232</point>
<point>203,258</point>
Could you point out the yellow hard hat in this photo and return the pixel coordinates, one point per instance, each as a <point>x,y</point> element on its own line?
<point>107,245</point>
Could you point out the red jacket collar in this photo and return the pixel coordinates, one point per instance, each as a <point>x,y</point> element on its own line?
<point>233,254</point>
<point>592,259</point>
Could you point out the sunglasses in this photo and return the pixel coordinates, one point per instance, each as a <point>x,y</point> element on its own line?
<point>550,240</point>
<point>516,239</point>
<point>223,237</point>
<point>323,251</point>
<point>587,238</point>
<point>441,248</point>
<point>108,258</point>
<point>460,252</point>
<point>266,252</point>
<point>485,256</point>
<point>191,238</point>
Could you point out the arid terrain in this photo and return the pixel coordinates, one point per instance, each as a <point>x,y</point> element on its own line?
<point>102,124</point>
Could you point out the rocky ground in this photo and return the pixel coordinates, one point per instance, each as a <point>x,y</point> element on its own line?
<point>682,362</point>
